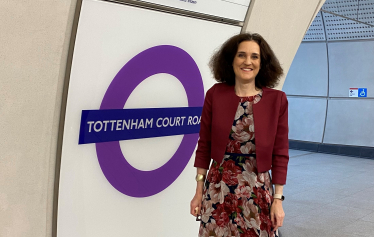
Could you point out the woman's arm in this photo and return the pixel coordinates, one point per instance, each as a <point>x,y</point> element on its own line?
<point>280,163</point>
<point>202,159</point>
<point>196,200</point>
<point>278,189</point>
<point>276,211</point>
<point>203,152</point>
<point>280,149</point>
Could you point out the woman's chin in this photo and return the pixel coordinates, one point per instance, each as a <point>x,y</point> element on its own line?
<point>245,79</point>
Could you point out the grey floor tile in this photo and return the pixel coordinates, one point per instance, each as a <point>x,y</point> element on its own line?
<point>325,193</point>
<point>360,200</point>
<point>317,222</point>
<point>370,191</point>
<point>292,230</point>
<point>296,208</point>
<point>369,217</point>
<point>294,153</point>
<point>338,189</point>
<point>339,211</point>
<point>360,227</point>
<point>329,217</point>
<point>311,197</point>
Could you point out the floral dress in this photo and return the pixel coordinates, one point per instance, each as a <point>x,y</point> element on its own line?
<point>236,198</point>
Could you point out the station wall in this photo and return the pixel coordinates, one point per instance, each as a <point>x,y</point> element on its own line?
<point>35,39</point>
<point>336,54</point>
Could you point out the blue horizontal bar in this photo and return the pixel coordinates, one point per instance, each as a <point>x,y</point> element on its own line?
<point>126,124</point>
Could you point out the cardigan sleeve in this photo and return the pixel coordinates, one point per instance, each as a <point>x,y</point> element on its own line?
<point>280,150</point>
<point>203,152</point>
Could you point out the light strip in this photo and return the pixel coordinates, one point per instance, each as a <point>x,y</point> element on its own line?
<point>177,11</point>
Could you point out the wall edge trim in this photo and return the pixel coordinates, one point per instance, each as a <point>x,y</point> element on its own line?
<point>62,115</point>
<point>334,149</point>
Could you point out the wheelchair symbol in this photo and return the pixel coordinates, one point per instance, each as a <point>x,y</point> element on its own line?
<point>362,93</point>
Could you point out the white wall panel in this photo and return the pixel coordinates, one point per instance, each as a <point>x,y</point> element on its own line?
<point>351,66</point>
<point>306,118</point>
<point>233,9</point>
<point>308,74</point>
<point>109,36</point>
<point>350,122</point>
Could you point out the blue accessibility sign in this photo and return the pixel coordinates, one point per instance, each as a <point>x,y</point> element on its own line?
<point>362,92</point>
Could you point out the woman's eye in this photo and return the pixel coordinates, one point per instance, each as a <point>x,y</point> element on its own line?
<point>241,55</point>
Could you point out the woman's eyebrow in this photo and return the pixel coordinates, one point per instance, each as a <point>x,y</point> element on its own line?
<point>245,52</point>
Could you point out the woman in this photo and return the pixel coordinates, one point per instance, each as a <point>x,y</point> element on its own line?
<point>238,198</point>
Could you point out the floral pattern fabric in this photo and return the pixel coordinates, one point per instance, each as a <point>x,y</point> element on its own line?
<point>236,198</point>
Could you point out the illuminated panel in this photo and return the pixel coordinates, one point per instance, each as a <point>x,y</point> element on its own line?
<point>233,9</point>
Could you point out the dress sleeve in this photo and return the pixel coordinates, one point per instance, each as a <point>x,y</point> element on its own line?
<point>280,150</point>
<point>202,158</point>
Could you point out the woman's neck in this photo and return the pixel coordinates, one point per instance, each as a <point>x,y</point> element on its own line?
<point>246,89</point>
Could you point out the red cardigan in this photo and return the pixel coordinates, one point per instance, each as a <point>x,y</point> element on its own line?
<point>270,117</point>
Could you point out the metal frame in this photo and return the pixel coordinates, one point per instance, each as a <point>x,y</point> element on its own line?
<point>62,116</point>
<point>348,18</point>
<point>328,78</point>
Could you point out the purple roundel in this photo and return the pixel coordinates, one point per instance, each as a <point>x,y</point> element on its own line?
<point>159,59</point>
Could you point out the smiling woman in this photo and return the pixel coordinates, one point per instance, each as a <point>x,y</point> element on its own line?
<point>247,61</point>
<point>222,61</point>
<point>237,197</point>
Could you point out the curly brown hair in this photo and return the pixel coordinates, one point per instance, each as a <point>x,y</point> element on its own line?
<point>221,61</point>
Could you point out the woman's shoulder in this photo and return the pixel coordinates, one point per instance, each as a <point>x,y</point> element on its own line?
<point>267,89</point>
<point>218,87</point>
<point>221,86</point>
<point>273,92</point>
<point>273,96</point>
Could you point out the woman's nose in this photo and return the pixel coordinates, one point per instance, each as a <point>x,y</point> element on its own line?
<point>247,61</point>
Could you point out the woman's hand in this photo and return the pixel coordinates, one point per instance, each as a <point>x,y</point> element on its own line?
<point>196,204</point>
<point>276,214</point>
<point>197,199</point>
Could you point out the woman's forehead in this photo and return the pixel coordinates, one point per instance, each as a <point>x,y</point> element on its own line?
<point>249,47</point>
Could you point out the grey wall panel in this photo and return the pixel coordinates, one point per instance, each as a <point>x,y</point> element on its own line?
<point>351,66</point>
<point>306,118</point>
<point>34,43</point>
<point>350,122</point>
<point>339,28</point>
<point>308,74</point>
<point>316,31</point>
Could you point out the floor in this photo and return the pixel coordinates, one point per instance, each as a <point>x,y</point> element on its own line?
<point>328,195</point>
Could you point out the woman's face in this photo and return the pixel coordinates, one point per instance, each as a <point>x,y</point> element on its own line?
<point>247,61</point>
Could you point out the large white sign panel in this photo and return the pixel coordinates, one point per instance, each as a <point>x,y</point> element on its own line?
<point>232,9</point>
<point>96,197</point>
